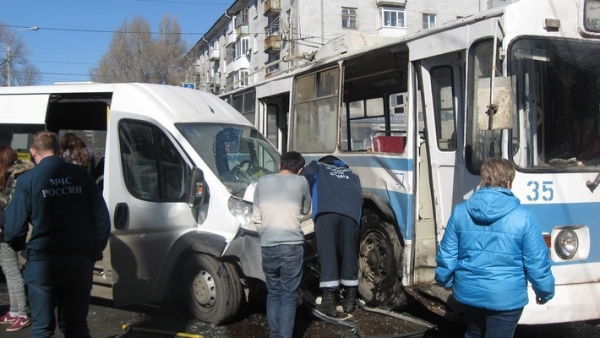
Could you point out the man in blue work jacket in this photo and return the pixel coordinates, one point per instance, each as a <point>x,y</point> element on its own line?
<point>337,206</point>
<point>71,226</point>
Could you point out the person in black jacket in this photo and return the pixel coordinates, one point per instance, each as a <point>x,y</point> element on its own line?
<point>337,207</point>
<point>71,226</point>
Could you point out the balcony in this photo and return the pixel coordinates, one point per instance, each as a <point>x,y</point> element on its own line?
<point>232,37</point>
<point>272,7</point>
<point>241,18</point>
<point>272,36</point>
<point>241,30</point>
<point>214,55</point>
<point>390,2</point>
<point>273,43</point>
<point>214,80</point>
<point>241,63</point>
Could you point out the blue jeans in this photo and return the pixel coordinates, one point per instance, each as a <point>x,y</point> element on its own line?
<point>282,265</point>
<point>495,324</point>
<point>61,281</point>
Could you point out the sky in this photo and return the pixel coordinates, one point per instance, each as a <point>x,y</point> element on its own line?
<point>73,35</point>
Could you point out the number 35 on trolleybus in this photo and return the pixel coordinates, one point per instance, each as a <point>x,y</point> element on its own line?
<point>416,116</point>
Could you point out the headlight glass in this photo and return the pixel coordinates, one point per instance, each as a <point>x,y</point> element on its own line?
<point>566,244</point>
<point>241,210</point>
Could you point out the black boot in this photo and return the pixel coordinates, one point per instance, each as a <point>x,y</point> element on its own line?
<point>328,304</point>
<point>349,302</point>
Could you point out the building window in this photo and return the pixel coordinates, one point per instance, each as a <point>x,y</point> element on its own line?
<point>243,78</point>
<point>349,17</point>
<point>428,20</point>
<point>241,47</point>
<point>231,53</point>
<point>272,58</point>
<point>240,79</point>
<point>391,17</point>
<point>241,18</point>
<point>273,27</point>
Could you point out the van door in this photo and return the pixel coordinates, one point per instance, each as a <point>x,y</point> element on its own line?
<point>144,187</point>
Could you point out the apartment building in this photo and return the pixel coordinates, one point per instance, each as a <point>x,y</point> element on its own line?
<point>256,39</point>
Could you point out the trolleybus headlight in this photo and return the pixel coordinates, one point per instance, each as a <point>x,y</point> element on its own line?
<point>566,244</point>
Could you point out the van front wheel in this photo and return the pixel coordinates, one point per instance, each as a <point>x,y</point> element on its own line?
<point>211,289</point>
<point>379,264</point>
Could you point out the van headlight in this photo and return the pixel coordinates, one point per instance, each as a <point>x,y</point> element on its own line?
<point>241,210</point>
<point>566,243</point>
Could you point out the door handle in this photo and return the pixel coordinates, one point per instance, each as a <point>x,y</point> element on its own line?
<point>121,216</point>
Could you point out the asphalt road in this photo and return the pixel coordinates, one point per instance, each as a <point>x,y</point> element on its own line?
<point>106,321</point>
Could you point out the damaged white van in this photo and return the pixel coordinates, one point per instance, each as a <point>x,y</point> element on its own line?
<point>176,167</point>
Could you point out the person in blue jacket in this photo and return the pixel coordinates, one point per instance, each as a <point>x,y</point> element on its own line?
<point>491,247</point>
<point>337,206</point>
<point>71,226</point>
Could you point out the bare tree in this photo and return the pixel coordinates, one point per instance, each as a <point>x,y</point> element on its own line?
<point>28,75</point>
<point>23,73</point>
<point>135,55</point>
<point>168,50</point>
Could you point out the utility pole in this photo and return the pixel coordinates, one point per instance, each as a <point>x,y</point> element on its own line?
<point>322,24</point>
<point>9,53</point>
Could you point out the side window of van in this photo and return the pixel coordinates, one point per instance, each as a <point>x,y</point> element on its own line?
<point>152,168</point>
<point>173,170</point>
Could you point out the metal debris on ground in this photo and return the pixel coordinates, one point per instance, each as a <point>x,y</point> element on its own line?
<point>347,320</point>
<point>128,328</point>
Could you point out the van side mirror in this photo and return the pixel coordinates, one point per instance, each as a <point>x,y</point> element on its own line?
<point>196,188</point>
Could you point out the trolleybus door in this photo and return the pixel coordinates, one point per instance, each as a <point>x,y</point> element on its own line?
<point>440,176</point>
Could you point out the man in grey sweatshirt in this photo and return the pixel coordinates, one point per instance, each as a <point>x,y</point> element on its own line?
<point>280,200</point>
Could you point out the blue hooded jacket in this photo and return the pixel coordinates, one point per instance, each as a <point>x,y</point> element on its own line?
<point>491,248</point>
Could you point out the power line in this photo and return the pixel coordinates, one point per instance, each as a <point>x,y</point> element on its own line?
<point>69,74</point>
<point>65,62</point>
<point>99,30</point>
<point>134,32</point>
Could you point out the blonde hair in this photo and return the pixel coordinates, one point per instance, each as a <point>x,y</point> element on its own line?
<point>45,141</point>
<point>497,172</point>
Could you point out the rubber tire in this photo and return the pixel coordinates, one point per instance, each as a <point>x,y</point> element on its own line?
<point>380,258</point>
<point>212,289</point>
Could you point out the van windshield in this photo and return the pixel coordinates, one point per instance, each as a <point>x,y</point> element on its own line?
<point>238,155</point>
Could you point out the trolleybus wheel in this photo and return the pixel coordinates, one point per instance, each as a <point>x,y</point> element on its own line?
<point>380,264</point>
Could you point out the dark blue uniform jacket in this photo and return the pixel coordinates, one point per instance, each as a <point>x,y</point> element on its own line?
<point>334,188</point>
<point>64,206</point>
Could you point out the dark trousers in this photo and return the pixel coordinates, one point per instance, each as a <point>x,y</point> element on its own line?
<point>282,265</point>
<point>63,282</point>
<point>337,234</point>
<point>495,324</point>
